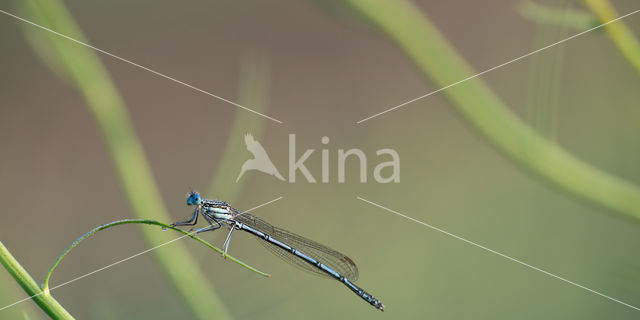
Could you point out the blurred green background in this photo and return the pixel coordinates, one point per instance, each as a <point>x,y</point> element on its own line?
<point>324,68</point>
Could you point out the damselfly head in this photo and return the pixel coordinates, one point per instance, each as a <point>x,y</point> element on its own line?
<point>194,199</point>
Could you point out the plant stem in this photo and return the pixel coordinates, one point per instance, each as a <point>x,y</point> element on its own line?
<point>139,221</point>
<point>421,41</point>
<point>563,17</point>
<point>91,79</point>
<point>253,91</point>
<point>48,304</point>
<point>618,31</point>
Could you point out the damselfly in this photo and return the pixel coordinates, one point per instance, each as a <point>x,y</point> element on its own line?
<point>297,250</point>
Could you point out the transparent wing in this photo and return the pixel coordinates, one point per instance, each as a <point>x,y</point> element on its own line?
<point>329,257</point>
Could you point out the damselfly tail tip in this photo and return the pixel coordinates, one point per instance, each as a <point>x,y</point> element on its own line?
<point>377,304</point>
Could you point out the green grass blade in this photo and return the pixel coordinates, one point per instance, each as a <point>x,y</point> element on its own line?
<point>8,289</point>
<point>619,32</point>
<point>42,298</point>
<point>139,221</point>
<point>562,17</point>
<point>421,41</point>
<point>91,79</point>
<point>254,91</point>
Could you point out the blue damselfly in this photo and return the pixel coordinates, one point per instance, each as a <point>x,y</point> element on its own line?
<point>297,250</point>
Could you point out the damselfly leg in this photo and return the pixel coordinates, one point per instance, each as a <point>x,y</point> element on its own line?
<point>225,246</point>
<point>213,225</point>
<point>190,222</point>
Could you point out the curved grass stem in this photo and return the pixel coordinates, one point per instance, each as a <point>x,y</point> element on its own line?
<point>423,43</point>
<point>562,17</point>
<point>619,32</point>
<point>253,90</point>
<point>139,221</point>
<point>42,298</point>
<point>87,74</point>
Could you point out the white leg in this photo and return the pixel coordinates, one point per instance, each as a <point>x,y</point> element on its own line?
<point>225,246</point>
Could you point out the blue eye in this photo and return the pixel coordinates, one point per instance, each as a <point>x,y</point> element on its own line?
<point>193,198</point>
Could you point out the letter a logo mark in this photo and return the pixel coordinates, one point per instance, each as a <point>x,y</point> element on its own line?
<point>260,161</point>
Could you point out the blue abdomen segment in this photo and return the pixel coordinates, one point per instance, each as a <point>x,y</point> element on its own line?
<point>315,263</point>
<point>363,294</point>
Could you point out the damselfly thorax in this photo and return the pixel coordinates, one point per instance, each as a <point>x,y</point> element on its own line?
<point>218,210</point>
